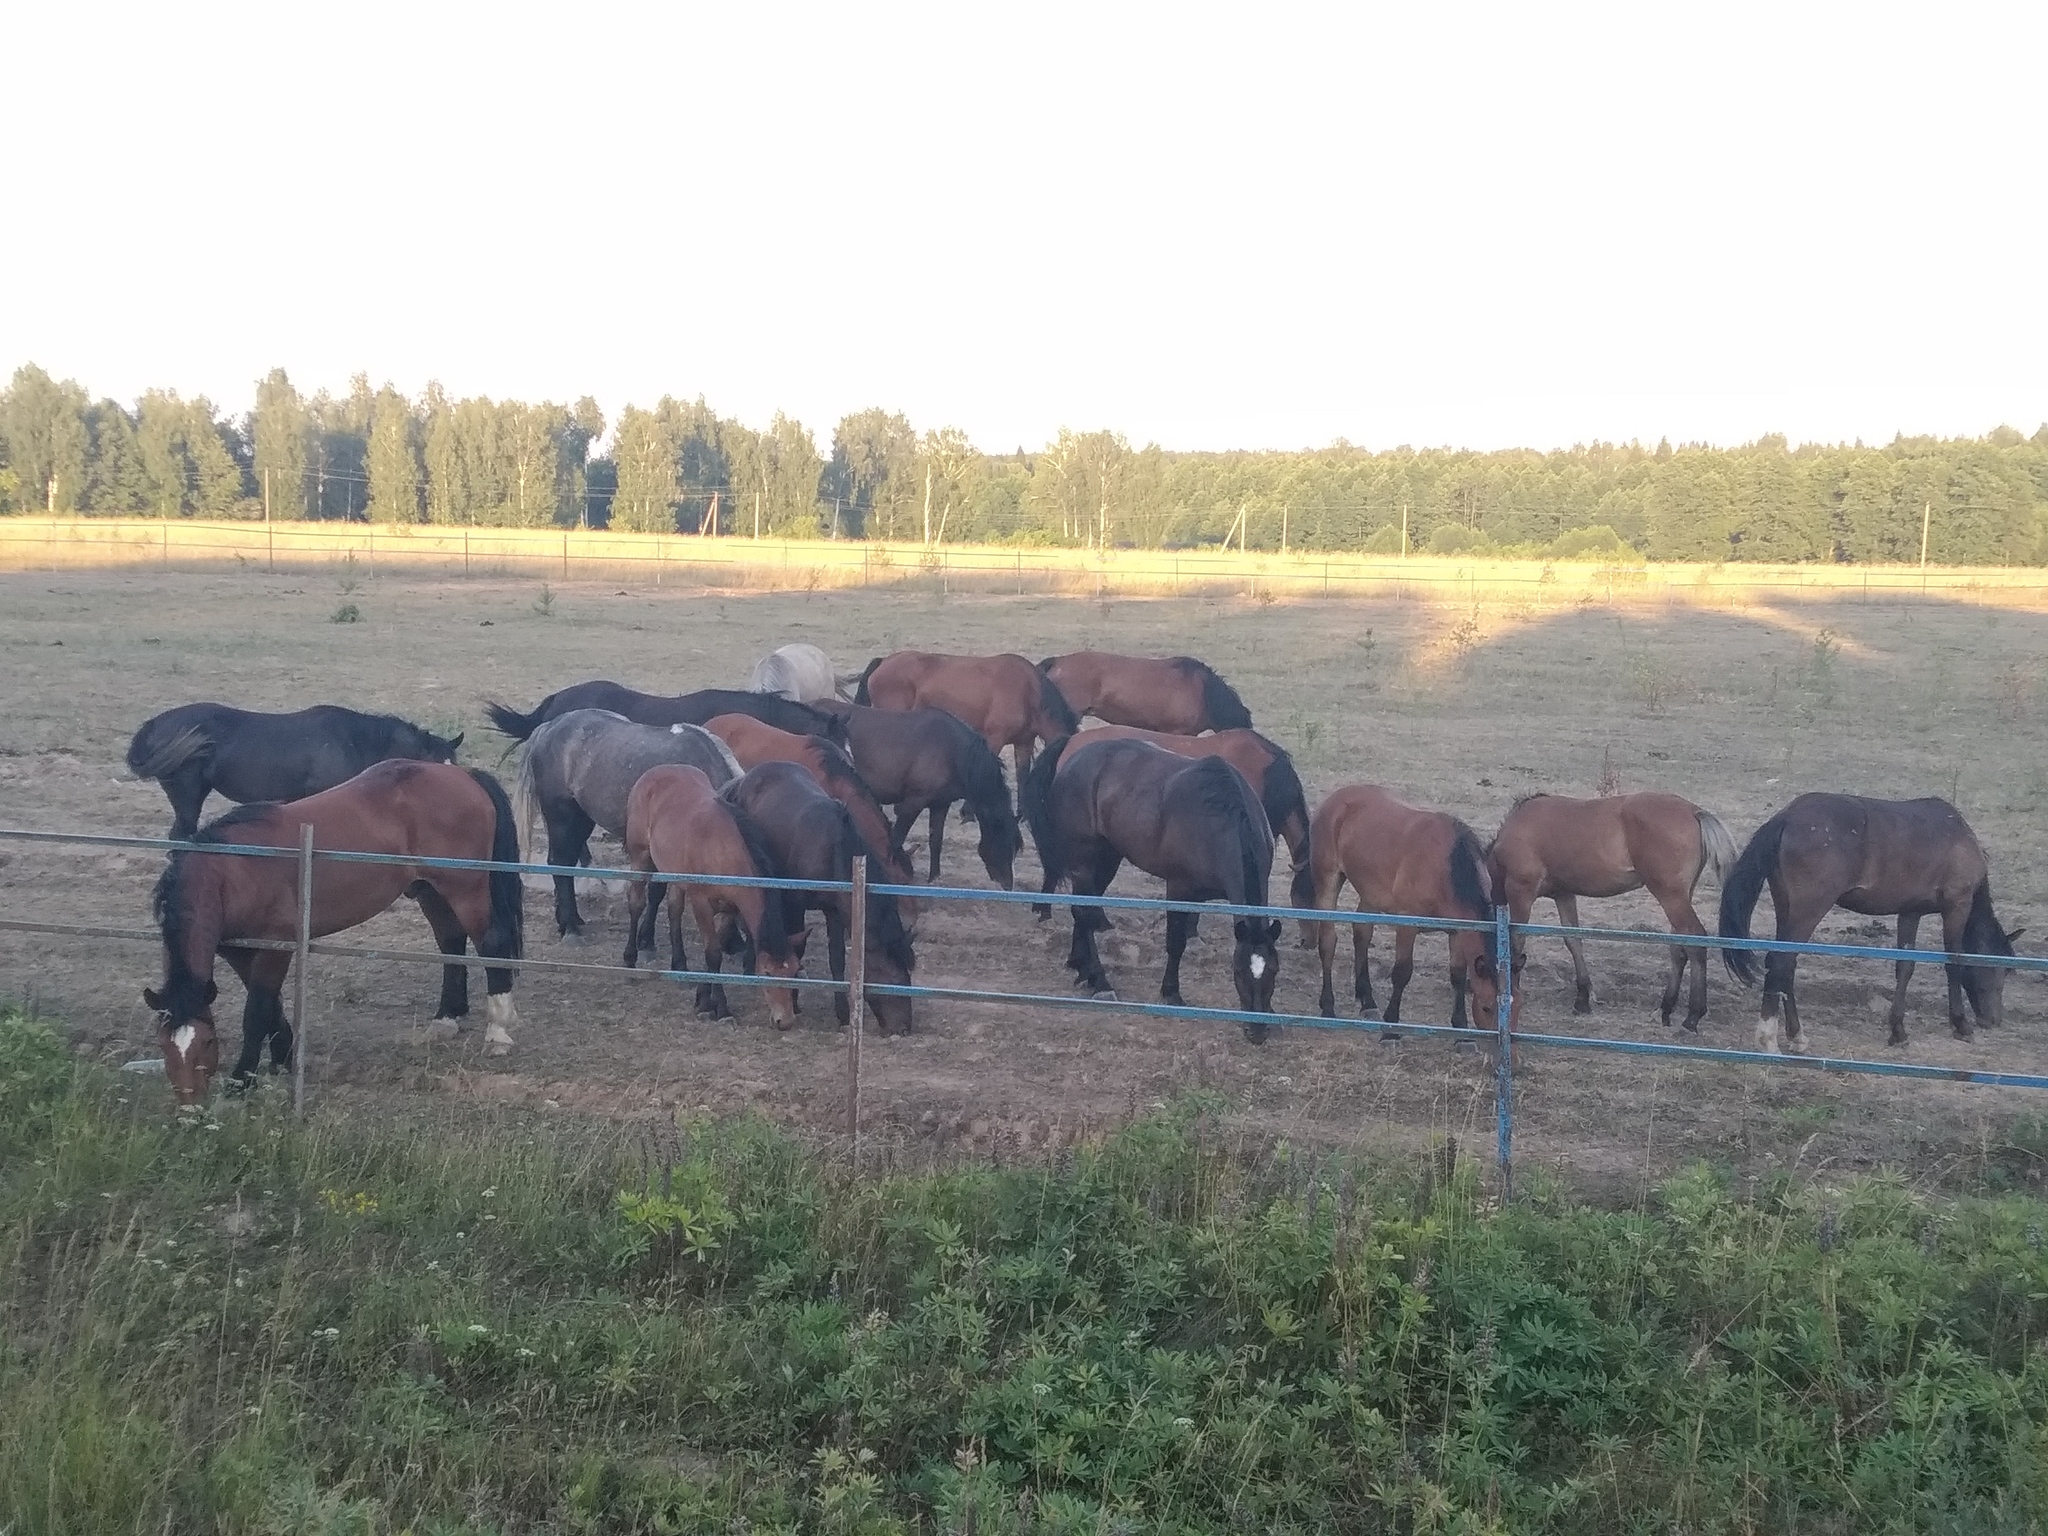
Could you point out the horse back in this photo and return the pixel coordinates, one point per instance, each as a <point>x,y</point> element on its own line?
<point>1396,855</point>
<point>1882,855</point>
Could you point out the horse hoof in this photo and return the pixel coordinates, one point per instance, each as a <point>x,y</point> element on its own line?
<point>1390,1037</point>
<point>441,1029</point>
<point>1585,1005</point>
<point>728,1021</point>
<point>576,938</point>
<point>498,1048</point>
<point>1106,995</point>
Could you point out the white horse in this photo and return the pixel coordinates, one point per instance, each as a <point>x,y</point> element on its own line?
<point>800,672</point>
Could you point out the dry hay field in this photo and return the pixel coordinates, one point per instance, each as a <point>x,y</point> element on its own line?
<point>1462,705</point>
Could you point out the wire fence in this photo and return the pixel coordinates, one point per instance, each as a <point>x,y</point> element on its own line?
<point>1504,1039</point>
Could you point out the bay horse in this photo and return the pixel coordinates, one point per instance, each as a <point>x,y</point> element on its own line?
<point>1009,701</point>
<point>1412,863</point>
<point>1882,858</point>
<point>811,837</point>
<point>660,709</point>
<point>677,824</point>
<point>1195,824</point>
<point>1556,846</point>
<point>1177,694</point>
<point>800,672</point>
<point>205,901</point>
<point>247,755</point>
<point>920,760</point>
<point>752,743</point>
<point>577,774</point>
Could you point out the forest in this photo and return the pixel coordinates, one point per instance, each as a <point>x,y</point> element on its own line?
<point>678,466</point>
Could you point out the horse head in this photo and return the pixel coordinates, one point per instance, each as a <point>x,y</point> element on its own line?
<point>1255,967</point>
<point>1485,977</point>
<point>781,1000</point>
<point>1000,840</point>
<point>185,1033</point>
<point>1984,985</point>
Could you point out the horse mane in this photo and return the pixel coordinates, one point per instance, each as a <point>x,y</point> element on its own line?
<point>1468,879</point>
<point>987,786</point>
<point>1226,711</point>
<point>775,916</point>
<point>1055,704</point>
<point>185,989</point>
<point>368,732</point>
<point>1982,934</point>
<point>1221,790</point>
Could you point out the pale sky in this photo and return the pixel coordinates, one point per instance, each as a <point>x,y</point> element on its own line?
<point>1210,227</point>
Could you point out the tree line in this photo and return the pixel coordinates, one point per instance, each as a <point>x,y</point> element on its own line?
<point>377,455</point>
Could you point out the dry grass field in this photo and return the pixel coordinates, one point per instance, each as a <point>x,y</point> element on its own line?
<point>1463,706</point>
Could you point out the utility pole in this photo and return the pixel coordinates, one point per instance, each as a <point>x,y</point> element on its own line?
<point>927,506</point>
<point>1285,508</point>
<point>757,512</point>
<point>1404,530</point>
<point>1926,515</point>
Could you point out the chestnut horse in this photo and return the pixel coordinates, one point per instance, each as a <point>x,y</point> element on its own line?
<point>752,743</point>
<point>1009,701</point>
<point>1412,863</point>
<point>1195,824</point>
<point>1179,694</point>
<point>206,901</point>
<point>1552,845</point>
<point>675,823</point>
<point>1903,858</point>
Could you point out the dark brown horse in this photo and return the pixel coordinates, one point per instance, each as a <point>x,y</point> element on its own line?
<point>1195,824</point>
<point>811,837</point>
<point>1009,701</point>
<point>754,743</point>
<point>1908,858</point>
<point>660,709</point>
<point>922,760</point>
<point>206,901</point>
<point>1179,694</point>
<point>677,824</point>
<point>1555,846</point>
<point>1411,863</point>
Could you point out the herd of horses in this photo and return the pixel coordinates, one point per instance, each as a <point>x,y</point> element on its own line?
<point>798,776</point>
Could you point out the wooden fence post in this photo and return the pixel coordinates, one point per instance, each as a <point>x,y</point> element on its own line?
<point>856,997</point>
<point>301,958</point>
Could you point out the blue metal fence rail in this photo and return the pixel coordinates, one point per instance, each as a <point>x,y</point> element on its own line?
<point>1504,933</point>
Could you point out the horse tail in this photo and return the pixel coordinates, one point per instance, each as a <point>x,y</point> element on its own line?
<point>1469,885</point>
<point>1717,847</point>
<point>1220,702</point>
<point>506,936</point>
<point>1055,704</point>
<point>1035,793</point>
<point>525,800</point>
<point>860,684</point>
<point>1740,888</point>
<point>1048,664</point>
<point>509,721</point>
<point>149,758</point>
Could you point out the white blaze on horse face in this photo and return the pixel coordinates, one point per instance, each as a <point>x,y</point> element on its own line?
<point>1258,964</point>
<point>182,1037</point>
<point>500,1013</point>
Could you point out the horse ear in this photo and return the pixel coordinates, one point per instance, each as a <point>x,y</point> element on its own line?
<point>212,989</point>
<point>153,1000</point>
<point>1274,929</point>
<point>2014,936</point>
<point>455,741</point>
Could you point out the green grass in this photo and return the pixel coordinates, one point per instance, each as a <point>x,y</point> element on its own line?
<point>432,1323</point>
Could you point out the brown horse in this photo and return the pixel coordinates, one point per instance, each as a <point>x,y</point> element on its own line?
<point>1408,862</point>
<point>922,760</point>
<point>754,743</point>
<point>206,901</point>
<point>1907,858</point>
<point>1179,695</point>
<point>1195,824</point>
<point>1009,701</point>
<point>811,837</point>
<point>676,823</point>
<point>1552,845</point>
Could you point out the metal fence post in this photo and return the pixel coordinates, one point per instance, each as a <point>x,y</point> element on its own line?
<point>300,959</point>
<point>856,997</point>
<point>1504,1051</point>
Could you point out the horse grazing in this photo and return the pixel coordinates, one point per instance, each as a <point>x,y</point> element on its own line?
<point>922,760</point>
<point>812,837</point>
<point>800,672</point>
<point>1882,858</point>
<point>752,743</point>
<point>1555,846</point>
<point>1009,701</point>
<point>1411,863</point>
<point>206,901</point>
<point>658,709</point>
<point>246,756</point>
<point>1196,825</point>
<point>578,773</point>
<point>676,823</point>
<point>1179,694</point>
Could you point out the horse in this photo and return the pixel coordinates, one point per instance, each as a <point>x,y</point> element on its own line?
<point>1178,695</point>
<point>1009,701</point>
<point>676,823</point>
<point>752,743</point>
<point>246,755</point>
<point>799,672</point>
<point>658,709</point>
<point>1882,858</point>
<point>205,902</point>
<point>577,774</point>
<point>812,837</point>
<point>1555,846</point>
<point>1195,824</point>
<point>1266,767</point>
<point>1411,863</point>
<point>922,760</point>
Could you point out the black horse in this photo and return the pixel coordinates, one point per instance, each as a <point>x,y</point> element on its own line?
<point>247,756</point>
<point>1197,825</point>
<point>1903,858</point>
<point>660,709</point>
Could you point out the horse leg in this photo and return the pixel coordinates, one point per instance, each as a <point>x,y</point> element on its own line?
<point>1952,924</point>
<point>1678,911</point>
<point>1460,1019</point>
<point>468,895</point>
<point>1902,972</point>
<point>186,787</point>
<point>1404,967</point>
<point>262,974</point>
<point>835,947</point>
<point>1795,926</point>
<point>940,810</point>
<point>1326,950</point>
<point>711,999</point>
<point>568,844</point>
<point>1022,750</point>
<point>1177,926</point>
<point>1582,978</point>
<point>1361,965</point>
<point>450,939</point>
